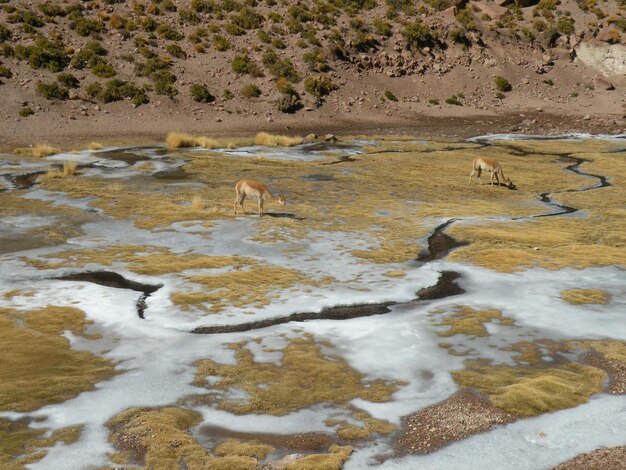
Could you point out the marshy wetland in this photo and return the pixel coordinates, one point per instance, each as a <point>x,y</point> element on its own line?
<point>388,316</point>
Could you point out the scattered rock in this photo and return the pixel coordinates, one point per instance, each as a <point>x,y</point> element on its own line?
<point>609,35</point>
<point>330,138</point>
<point>600,82</point>
<point>310,138</point>
<point>494,11</point>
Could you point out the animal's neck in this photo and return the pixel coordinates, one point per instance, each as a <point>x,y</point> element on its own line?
<point>270,196</point>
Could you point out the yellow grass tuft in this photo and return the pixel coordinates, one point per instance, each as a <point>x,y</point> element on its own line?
<point>468,321</point>
<point>94,146</point>
<point>586,296</point>
<point>271,140</point>
<point>197,203</point>
<point>527,391</point>
<point>175,140</point>
<point>69,168</point>
<point>38,151</point>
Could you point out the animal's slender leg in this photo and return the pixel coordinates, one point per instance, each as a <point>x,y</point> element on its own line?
<point>470,179</point>
<point>236,202</point>
<point>480,172</point>
<point>241,200</point>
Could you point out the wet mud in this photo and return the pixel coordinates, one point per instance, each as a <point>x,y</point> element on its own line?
<point>439,244</point>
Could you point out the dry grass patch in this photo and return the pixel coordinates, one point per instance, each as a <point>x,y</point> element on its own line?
<point>271,140</point>
<point>251,284</point>
<point>197,203</point>
<point>586,296</point>
<point>141,259</point>
<point>94,146</point>
<point>38,366</point>
<point>525,391</point>
<point>305,377</point>
<point>175,140</point>
<point>334,460</point>
<point>159,439</point>
<point>467,321</point>
<point>38,151</point>
<point>21,445</point>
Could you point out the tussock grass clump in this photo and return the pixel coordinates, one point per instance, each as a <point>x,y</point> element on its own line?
<point>155,431</point>
<point>468,321</point>
<point>586,296</point>
<point>39,367</point>
<point>94,146</point>
<point>244,448</point>
<point>38,151</point>
<point>197,203</point>
<point>271,140</point>
<point>69,169</point>
<point>526,391</point>
<point>305,377</point>
<point>176,140</point>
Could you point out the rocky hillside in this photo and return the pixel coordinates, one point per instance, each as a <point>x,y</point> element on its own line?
<point>125,64</point>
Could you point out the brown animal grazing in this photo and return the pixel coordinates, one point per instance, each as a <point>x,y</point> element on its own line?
<point>481,164</point>
<point>255,189</point>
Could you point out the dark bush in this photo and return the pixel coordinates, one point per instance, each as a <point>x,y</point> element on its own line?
<point>5,33</point>
<point>247,19</point>
<point>418,35</point>
<point>244,65</point>
<point>290,101</point>
<point>52,91</point>
<point>176,51</point>
<point>201,93</point>
<point>167,32</point>
<point>68,80</point>
<point>221,43</point>
<point>116,90</point>
<point>502,84</point>
<point>390,96</point>
<point>44,54</point>
<point>144,69</point>
<point>5,72</point>
<point>89,55</point>
<point>26,17</point>
<point>319,86</point>
<point>280,67</point>
<point>26,111</point>
<point>103,70</point>
<point>86,26</point>
<point>454,101</point>
<point>251,90</point>
<point>164,83</point>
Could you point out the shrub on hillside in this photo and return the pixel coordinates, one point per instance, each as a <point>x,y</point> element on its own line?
<point>44,54</point>
<point>164,83</point>
<point>244,65</point>
<point>5,33</point>
<point>167,32</point>
<point>52,91</point>
<point>251,90</point>
<point>418,35</point>
<point>319,86</point>
<point>280,67</point>
<point>26,111</point>
<point>221,43</point>
<point>68,80</point>
<point>89,56</point>
<point>103,70</point>
<point>176,51</point>
<point>201,93</point>
<point>502,84</point>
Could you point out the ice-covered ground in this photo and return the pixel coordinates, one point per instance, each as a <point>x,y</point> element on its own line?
<point>156,356</point>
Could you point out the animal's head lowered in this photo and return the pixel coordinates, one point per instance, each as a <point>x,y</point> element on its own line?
<point>281,199</point>
<point>510,184</point>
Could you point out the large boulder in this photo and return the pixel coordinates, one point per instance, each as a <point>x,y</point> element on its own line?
<point>600,82</point>
<point>494,11</point>
<point>609,35</point>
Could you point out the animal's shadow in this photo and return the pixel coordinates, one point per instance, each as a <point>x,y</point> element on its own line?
<point>283,215</point>
<point>504,185</point>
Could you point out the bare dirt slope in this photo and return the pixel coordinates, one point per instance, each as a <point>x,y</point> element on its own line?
<point>339,64</point>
